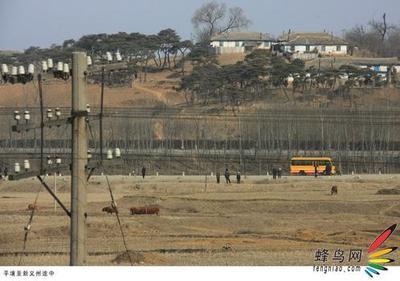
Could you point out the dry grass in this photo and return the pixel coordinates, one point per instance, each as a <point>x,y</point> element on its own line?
<point>261,222</point>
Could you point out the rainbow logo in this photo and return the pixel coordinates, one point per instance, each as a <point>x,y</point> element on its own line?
<point>376,260</point>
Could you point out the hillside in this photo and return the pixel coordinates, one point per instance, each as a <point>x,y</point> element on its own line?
<point>161,89</point>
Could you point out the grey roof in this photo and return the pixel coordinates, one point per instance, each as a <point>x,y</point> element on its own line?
<point>241,36</point>
<point>311,38</point>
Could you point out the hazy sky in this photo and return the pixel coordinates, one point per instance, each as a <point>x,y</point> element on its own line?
<point>25,23</point>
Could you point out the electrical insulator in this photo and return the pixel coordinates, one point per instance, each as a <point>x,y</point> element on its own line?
<point>49,113</point>
<point>27,116</point>
<point>66,68</point>
<point>4,68</point>
<point>31,69</point>
<point>89,154</point>
<point>17,168</point>
<point>44,66</point>
<point>14,70</point>
<point>118,56</point>
<point>27,165</point>
<point>109,56</point>
<point>21,70</point>
<point>50,63</point>
<point>89,60</point>
<point>57,112</point>
<point>60,66</point>
<point>17,116</point>
<point>88,108</point>
<point>109,154</point>
<point>117,152</point>
<point>58,160</point>
<point>49,161</point>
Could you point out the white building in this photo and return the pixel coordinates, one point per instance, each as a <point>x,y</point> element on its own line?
<point>313,43</point>
<point>240,42</point>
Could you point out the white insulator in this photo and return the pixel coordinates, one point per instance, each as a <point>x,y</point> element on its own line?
<point>14,70</point>
<point>17,116</point>
<point>118,56</point>
<point>44,66</point>
<point>66,68</point>
<point>49,113</point>
<point>117,152</point>
<point>89,154</point>
<point>50,63</point>
<point>21,70</point>
<point>4,68</point>
<point>31,69</point>
<point>88,108</point>
<point>290,79</point>
<point>27,165</point>
<point>58,160</point>
<point>89,60</point>
<point>27,116</point>
<point>109,56</point>
<point>17,168</point>
<point>49,161</point>
<point>57,112</point>
<point>109,154</point>
<point>60,66</point>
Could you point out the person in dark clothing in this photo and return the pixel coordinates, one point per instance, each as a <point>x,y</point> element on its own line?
<point>274,173</point>
<point>238,177</point>
<point>5,172</point>
<point>328,169</point>
<point>218,175</point>
<point>227,175</point>
<point>315,170</point>
<point>279,172</point>
<point>143,171</point>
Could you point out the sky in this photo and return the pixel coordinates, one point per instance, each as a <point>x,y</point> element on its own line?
<point>25,23</point>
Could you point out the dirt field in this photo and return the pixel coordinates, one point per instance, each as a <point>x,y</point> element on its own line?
<point>259,222</point>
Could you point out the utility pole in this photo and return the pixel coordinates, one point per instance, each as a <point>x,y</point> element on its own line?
<point>79,160</point>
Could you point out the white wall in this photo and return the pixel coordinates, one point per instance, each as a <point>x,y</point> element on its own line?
<point>328,49</point>
<point>231,46</point>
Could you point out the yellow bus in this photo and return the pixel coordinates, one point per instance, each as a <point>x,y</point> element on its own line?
<point>303,166</point>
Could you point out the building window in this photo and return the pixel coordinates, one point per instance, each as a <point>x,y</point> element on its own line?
<point>338,48</point>
<point>323,48</point>
<point>307,48</point>
<point>292,48</point>
<point>221,44</point>
<point>237,44</point>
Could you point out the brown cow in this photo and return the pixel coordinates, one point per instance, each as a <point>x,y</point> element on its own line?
<point>144,210</point>
<point>334,190</point>
<point>33,207</point>
<point>110,209</point>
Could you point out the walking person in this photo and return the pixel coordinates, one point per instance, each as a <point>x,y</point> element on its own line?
<point>238,177</point>
<point>274,173</point>
<point>315,169</point>
<point>227,175</point>
<point>143,171</point>
<point>328,169</point>
<point>218,176</point>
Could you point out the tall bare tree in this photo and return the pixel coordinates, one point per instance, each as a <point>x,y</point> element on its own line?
<point>213,17</point>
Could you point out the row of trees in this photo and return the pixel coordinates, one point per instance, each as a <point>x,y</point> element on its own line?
<point>261,71</point>
<point>145,52</point>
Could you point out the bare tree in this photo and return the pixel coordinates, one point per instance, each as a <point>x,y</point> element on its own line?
<point>381,28</point>
<point>213,17</point>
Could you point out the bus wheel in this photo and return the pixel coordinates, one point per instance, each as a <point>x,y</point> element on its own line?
<point>302,173</point>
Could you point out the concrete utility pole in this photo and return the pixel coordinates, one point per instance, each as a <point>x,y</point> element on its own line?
<point>79,160</point>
